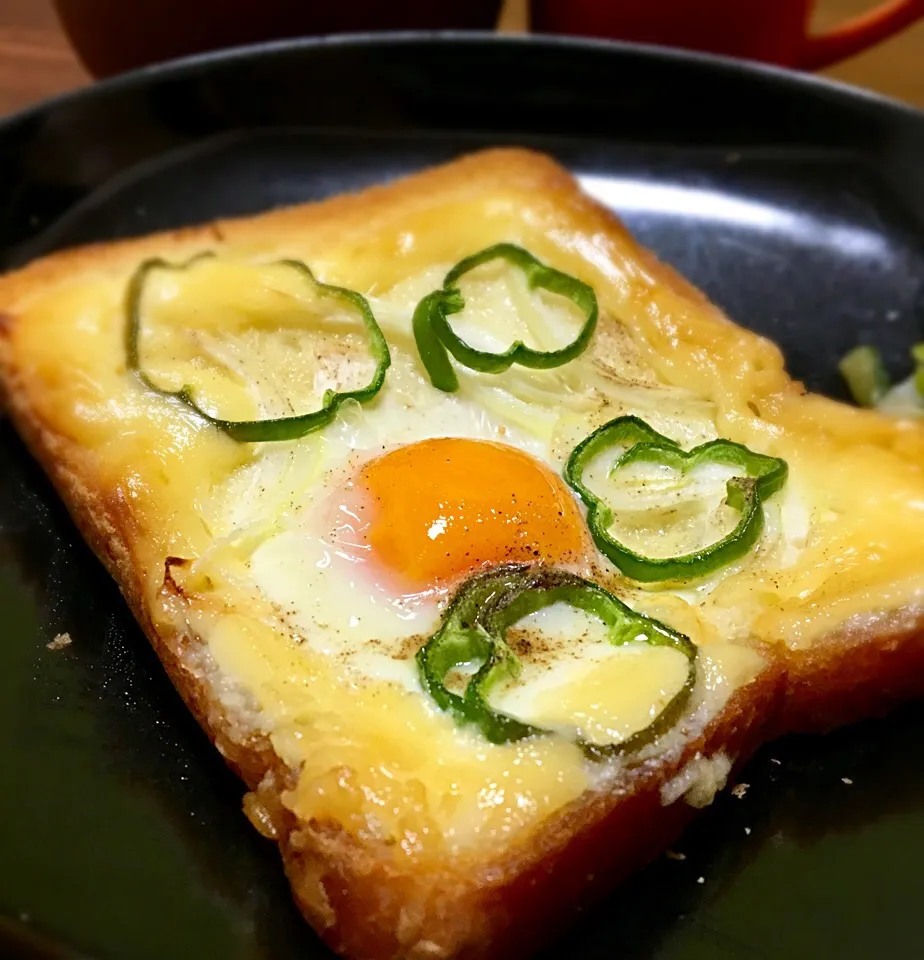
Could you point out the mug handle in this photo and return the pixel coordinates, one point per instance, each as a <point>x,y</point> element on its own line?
<point>859,33</point>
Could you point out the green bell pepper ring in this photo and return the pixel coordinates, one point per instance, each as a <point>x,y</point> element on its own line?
<point>436,339</point>
<point>270,429</point>
<point>489,604</point>
<point>764,475</point>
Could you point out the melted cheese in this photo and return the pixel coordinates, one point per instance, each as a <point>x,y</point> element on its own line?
<point>371,751</point>
<point>379,758</point>
<point>603,696</point>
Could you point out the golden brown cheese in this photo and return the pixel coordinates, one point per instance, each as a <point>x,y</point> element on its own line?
<point>377,758</point>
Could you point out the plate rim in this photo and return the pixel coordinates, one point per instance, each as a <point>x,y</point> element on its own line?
<point>839,91</point>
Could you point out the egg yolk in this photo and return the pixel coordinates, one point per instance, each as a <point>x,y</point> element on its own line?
<point>440,509</point>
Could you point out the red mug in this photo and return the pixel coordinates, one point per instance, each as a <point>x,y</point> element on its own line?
<point>775,31</point>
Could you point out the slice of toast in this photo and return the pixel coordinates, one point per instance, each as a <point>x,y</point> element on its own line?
<point>402,834</point>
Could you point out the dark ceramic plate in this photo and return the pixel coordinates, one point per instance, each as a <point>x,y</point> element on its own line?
<point>797,205</point>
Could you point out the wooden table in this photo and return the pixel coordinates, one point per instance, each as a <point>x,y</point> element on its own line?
<point>36,60</point>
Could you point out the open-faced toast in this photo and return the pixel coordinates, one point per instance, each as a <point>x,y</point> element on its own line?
<point>404,831</point>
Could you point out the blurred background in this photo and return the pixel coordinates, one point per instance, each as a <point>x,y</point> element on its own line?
<point>37,57</point>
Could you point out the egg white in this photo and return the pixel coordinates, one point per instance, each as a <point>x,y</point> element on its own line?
<point>311,564</point>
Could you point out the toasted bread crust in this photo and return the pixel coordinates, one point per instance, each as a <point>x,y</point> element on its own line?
<point>362,901</point>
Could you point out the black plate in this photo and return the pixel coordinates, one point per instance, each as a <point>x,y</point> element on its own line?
<point>797,205</point>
